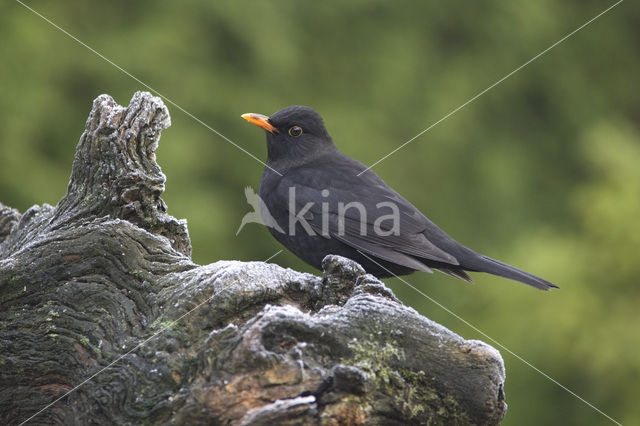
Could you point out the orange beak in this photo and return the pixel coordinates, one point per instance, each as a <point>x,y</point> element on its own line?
<point>260,120</point>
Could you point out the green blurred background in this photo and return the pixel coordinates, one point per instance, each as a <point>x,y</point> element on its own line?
<point>542,172</point>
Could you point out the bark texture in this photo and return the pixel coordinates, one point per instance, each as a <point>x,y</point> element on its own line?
<point>99,296</point>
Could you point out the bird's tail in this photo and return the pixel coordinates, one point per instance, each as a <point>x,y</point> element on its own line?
<point>483,263</point>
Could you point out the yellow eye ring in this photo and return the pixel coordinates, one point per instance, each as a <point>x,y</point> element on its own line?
<point>295,131</point>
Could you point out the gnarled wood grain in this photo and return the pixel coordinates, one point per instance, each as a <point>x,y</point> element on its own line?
<point>102,287</point>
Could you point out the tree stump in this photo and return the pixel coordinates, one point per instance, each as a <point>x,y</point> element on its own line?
<point>105,319</point>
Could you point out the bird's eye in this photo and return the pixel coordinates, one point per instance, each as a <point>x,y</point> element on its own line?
<point>295,131</point>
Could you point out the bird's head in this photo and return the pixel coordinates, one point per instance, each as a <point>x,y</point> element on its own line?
<point>295,134</point>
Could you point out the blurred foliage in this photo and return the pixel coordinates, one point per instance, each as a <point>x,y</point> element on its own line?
<point>543,171</point>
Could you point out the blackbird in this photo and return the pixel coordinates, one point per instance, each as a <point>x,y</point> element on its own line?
<point>317,201</point>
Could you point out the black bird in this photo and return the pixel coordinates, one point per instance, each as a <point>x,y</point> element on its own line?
<point>324,202</point>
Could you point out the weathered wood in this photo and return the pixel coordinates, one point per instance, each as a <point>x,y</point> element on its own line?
<point>106,276</point>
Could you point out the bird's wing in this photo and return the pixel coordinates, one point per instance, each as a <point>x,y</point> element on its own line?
<point>405,231</point>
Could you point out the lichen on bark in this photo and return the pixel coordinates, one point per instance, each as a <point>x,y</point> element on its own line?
<point>102,287</point>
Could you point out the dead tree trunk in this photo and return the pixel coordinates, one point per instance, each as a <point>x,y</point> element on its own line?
<point>104,318</point>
